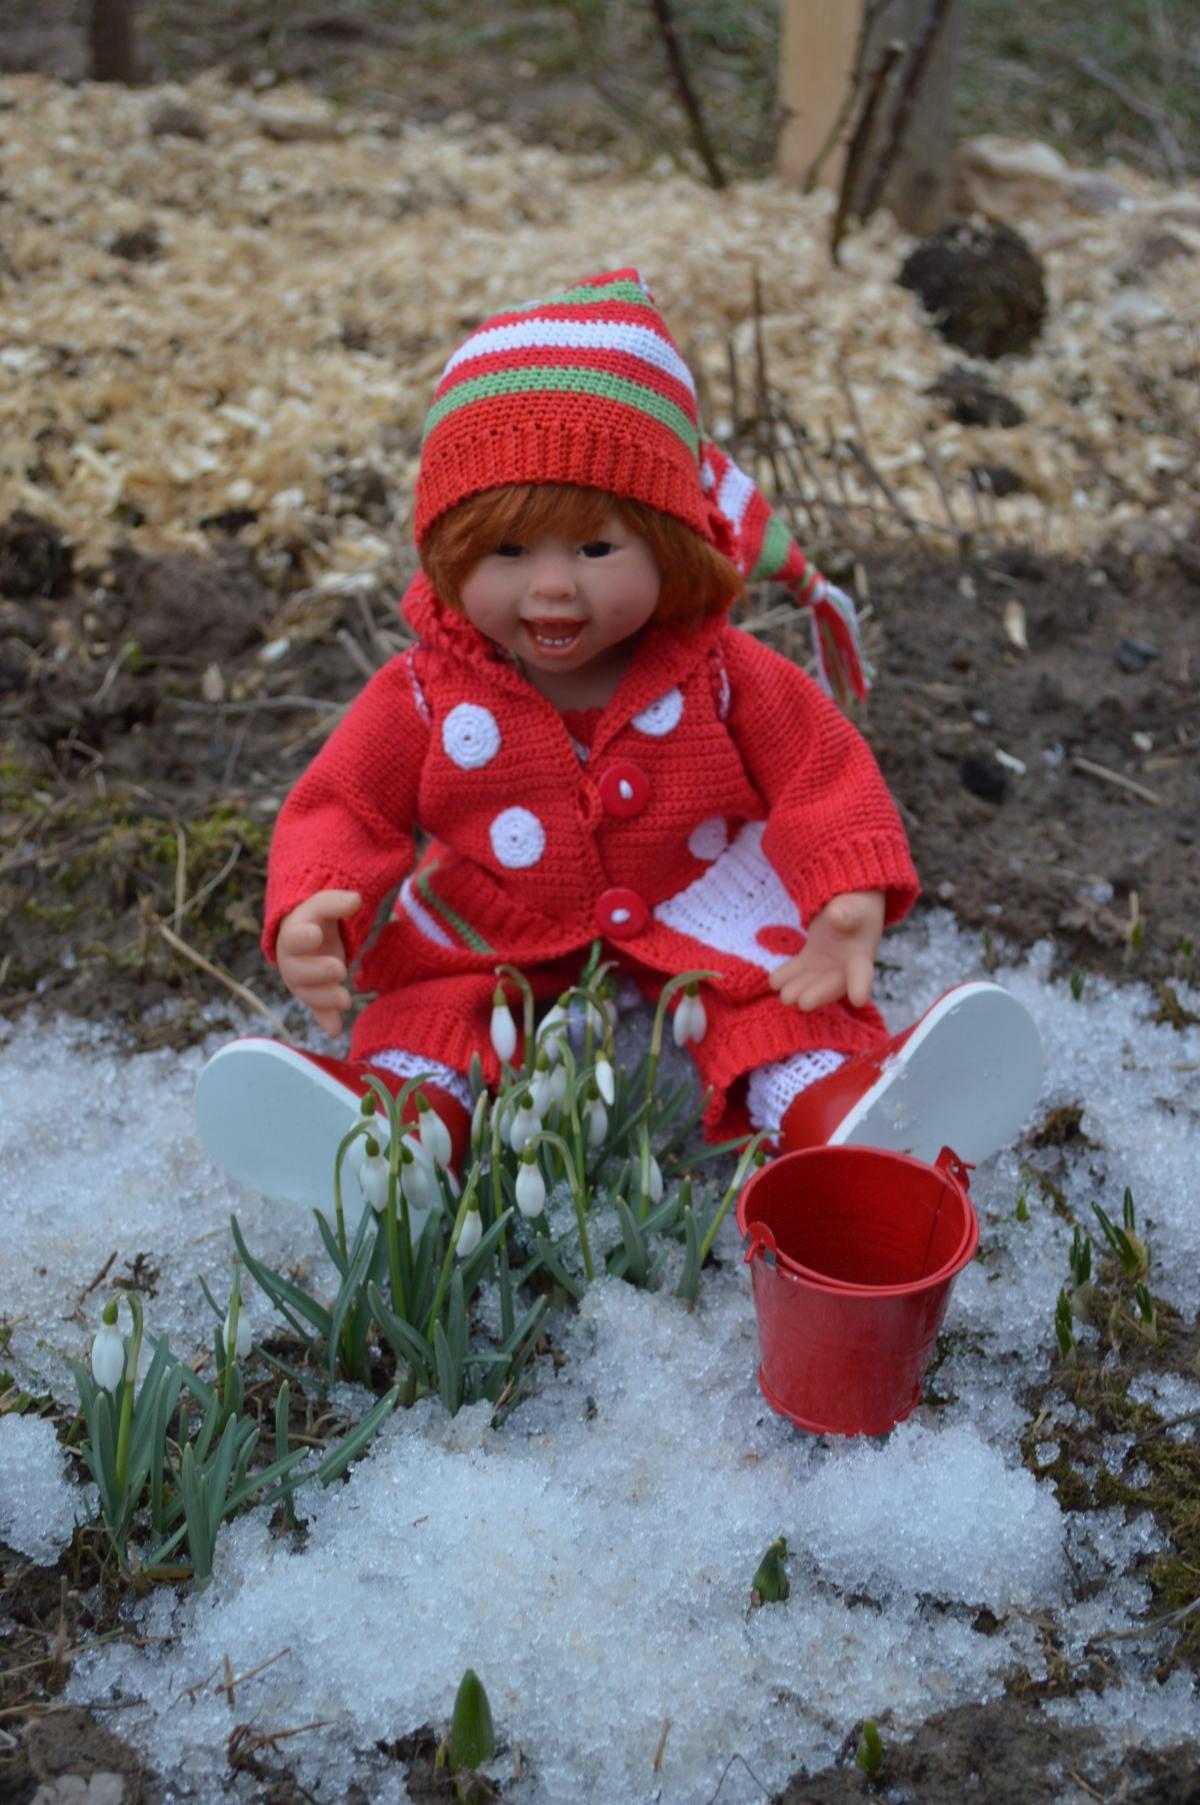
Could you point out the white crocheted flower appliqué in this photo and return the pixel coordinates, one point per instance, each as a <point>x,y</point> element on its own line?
<point>518,838</point>
<point>709,840</point>
<point>662,716</point>
<point>470,736</point>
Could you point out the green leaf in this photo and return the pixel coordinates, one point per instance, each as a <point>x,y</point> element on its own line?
<point>548,1256</point>
<point>352,1284</point>
<point>289,1299</point>
<point>688,1287</point>
<point>474,1267</point>
<point>405,1341</point>
<point>635,1243</point>
<point>336,1462</point>
<point>472,1738</point>
<point>449,1375</point>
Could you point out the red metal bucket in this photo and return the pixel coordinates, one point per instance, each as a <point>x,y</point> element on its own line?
<point>852,1254</point>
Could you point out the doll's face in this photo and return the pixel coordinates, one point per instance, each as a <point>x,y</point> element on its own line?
<point>562,608</point>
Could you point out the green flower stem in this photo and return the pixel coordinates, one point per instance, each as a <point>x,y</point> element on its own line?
<point>399,1299</point>
<point>575,1178</point>
<point>230,1340</point>
<point>439,1296</point>
<point>660,1015</point>
<point>506,1301</point>
<point>735,1185</point>
<point>528,1006</point>
<point>131,1365</point>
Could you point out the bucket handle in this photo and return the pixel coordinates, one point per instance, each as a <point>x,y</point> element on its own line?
<point>948,1162</point>
<point>959,1174</point>
<point>762,1241</point>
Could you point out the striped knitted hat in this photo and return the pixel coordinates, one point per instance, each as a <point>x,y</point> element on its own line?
<point>588,387</point>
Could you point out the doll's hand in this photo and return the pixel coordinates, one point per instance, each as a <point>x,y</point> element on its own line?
<point>838,958</point>
<point>312,958</point>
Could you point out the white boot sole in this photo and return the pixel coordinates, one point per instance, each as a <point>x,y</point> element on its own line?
<point>966,1078</point>
<point>274,1121</point>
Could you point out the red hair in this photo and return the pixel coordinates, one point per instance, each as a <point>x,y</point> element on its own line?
<point>697,583</point>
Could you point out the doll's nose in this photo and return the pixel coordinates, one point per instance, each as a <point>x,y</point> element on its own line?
<point>552,575</point>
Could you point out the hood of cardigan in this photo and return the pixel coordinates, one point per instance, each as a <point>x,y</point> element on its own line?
<point>670,653</point>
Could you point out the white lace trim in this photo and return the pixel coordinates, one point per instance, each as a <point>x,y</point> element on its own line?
<point>727,905</point>
<point>471,736</point>
<point>418,692</point>
<point>773,1088</point>
<point>415,1065</point>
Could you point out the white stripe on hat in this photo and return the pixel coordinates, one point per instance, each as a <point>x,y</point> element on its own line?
<point>580,335</point>
<point>733,496</point>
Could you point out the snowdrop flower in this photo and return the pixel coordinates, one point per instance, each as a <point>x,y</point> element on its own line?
<point>596,1117</point>
<point>435,1136</point>
<point>503,1028</point>
<point>552,1024</point>
<point>524,1125</point>
<point>605,1081</point>
<point>416,1173</point>
<point>479,1122</point>
<point>691,1022</point>
<point>654,1182</point>
<point>243,1332</point>
<point>558,1085</point>
<point>373,1175</point>
<point>108,1350</point>
<point>541,1085</point>
<point>531,1186</point>
<point>470,1234</point>
<point>381,1134</point>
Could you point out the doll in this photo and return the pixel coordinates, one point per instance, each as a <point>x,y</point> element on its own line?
<point>590,749</point>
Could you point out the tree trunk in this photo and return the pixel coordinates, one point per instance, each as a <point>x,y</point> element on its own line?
<point>817,66</point>
<point>111,34</point>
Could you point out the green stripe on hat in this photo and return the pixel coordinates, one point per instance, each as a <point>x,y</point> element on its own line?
<point>564,379</point>
<point>588,293</point>
<point>777,542</point>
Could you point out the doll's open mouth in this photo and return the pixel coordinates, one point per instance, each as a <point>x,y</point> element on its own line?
<point>554,635</point>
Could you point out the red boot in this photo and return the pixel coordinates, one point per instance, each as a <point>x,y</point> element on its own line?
<point>965,1076</point>
<point>273,1116</point>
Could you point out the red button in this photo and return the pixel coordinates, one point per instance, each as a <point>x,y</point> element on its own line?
<point>624,789</point>
<point>620,913</point>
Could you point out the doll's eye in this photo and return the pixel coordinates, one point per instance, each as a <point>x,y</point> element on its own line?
<point>596,548</point>
<point>506,549</point>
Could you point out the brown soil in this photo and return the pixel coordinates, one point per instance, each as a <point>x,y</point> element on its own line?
<point>126,792</point>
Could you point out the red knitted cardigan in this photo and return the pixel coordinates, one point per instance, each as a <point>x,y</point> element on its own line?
<point>723,801</point>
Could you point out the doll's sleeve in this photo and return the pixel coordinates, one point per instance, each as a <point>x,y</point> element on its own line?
<point>348,824</point>
<point>832,825</point>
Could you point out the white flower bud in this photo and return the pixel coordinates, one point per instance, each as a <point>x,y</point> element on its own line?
<point>416,1174</point>
<point>541,1088</point>
<point>435,1136</point>
<point>597,1121</point>
<point>470,1234</point>
<point>558,1085</point>
<point>108,1356</point>
<point>523,1126</point>
<point>503,1028</point>
<point>530,1188</point>
<point>551,1026</point>
<point>381,1134</point>
<point>691,1023</point>
<point>373,1176</point>
<point>605,1081</point>
<point>654,1183</point>
<point>243,1333</point>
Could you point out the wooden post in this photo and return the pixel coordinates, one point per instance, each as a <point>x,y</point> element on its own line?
<point>817,57</point>
<point>111,34</point>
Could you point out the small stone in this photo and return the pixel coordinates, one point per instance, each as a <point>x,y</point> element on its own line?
<point>982,285</point>
<point>1134,655</point>
<point>174,119</point>
<point>996,479</point>
<point>972,400</point>
<point>141,245</point>
<point>980,773</point>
